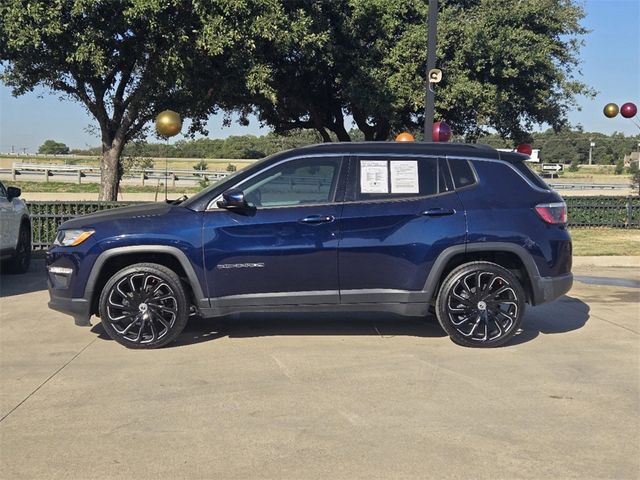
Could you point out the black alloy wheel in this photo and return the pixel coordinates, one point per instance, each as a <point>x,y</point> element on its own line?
<point>144,306</point>
<point>481,304</point>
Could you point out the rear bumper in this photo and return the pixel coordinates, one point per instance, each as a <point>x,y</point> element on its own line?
<point>547,289</point>
<point>78,308</point>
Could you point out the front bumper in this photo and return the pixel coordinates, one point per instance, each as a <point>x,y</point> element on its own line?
<point>547,289</point>
<point>78,308</point>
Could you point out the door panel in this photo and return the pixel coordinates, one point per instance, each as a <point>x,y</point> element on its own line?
<point>392,243</point>
<point>286,244</point>
<point>271,251</point>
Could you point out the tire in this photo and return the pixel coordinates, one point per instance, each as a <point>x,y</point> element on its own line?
<point>480,304</point>
<point>144,306</point>
<point>21,261</point>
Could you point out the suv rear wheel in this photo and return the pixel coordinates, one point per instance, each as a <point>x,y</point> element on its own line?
<point>144,306</point>
<point>480,304</point>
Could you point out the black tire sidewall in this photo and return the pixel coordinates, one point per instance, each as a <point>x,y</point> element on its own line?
<point>21,261</point>
<point>174,282</point>
<point>452,278</point>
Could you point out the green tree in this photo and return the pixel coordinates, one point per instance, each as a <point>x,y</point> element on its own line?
<point>201,166</point>
<point>506,67</point>
<point>126,61</point>
<point>51,147</point>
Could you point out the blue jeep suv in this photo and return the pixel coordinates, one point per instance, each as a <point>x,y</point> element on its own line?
<point>465,231</point>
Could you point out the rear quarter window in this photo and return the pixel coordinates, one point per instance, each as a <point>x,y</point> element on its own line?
<point>462,173</point>
<point>532,176</point>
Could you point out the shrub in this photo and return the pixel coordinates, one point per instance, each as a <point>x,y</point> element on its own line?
<point>201,165</point>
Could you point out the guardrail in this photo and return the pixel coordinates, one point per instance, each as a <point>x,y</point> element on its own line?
<point>589,186</point>
<point>83,171</point>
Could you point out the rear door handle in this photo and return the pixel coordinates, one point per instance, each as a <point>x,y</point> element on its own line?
<point>315,219</point>
<point>438,212</point>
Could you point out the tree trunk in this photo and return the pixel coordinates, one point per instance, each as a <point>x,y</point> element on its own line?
<point>109,172</point>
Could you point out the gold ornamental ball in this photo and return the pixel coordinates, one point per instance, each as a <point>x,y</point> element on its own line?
<point>168,123</point>
<point>610,110</point>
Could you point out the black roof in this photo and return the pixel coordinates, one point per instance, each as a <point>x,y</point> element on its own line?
<point>428,148</point>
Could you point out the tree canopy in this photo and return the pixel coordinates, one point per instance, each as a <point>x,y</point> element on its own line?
<point>507,66</point>
<point>126,61</point>
<point>51,147</point>
<point>296,64</point>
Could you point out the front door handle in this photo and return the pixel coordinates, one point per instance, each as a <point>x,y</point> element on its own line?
<point>315,219</point>
<point>438,212</point>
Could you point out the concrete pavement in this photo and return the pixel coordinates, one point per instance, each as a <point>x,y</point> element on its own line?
<point>305,397</point>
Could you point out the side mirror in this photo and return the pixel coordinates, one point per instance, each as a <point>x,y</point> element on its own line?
<point>13,192</point>
<point>233,199</point>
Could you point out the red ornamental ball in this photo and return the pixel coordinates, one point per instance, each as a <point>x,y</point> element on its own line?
<point>524,148</point>
<point>628,110</point>
<point>441,132</point>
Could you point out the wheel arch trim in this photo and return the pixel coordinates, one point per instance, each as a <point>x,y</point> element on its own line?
<point>435,274</point>
<point>175,252</point>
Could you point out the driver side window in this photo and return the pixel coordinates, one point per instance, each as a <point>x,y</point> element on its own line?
<point>298,182</point>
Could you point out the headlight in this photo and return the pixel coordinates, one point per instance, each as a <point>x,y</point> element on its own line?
<point>71,238</point>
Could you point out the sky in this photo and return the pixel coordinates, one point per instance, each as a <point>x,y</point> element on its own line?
<point>610,65</point>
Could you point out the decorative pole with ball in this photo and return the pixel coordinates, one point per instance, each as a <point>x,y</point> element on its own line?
<point>168,124</point>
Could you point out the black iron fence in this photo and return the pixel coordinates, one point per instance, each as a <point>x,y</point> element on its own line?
<point>46,217</point>
<point>619,212</point>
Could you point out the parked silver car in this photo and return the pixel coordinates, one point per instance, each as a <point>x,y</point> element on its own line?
<point>15,231</point>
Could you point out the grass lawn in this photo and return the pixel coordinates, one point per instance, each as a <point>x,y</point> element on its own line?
<point>64,187</point>
<point>605,241</point>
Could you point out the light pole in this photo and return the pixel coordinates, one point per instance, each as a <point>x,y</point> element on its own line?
<point>429,106</point>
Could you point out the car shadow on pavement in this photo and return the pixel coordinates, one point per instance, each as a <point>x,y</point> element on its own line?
<point>34,280</point>
<point>564,315</point>
<point>200,330</point>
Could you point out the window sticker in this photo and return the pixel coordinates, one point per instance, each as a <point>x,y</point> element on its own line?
<point>374,176</point>
<point>404,177</point>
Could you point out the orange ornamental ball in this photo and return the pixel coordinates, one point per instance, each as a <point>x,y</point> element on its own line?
<point>168,123</point>
<point>405,137</point>
<point>610,110</point>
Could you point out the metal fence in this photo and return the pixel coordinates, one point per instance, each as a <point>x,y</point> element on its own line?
<point>619,212</point>
<point>604,211</point>
<point>46,217</point>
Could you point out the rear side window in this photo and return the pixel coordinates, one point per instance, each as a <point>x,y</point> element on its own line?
<point>462,174</point>
<point>533,177</point>
<point>397,178</point>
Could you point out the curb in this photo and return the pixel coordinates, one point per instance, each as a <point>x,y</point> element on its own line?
<point>607,261</point>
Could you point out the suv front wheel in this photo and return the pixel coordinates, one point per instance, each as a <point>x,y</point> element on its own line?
<point>480,304</point>
<point>144,306</point>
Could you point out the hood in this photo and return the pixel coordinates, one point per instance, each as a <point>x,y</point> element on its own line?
<point>134,212</point>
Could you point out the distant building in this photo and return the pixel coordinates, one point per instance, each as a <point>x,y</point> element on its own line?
<point>632,158</point>
<point>534,157</point>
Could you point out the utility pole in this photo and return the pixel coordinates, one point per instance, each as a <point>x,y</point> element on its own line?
<point>591,145</point>
<point>429,107</point>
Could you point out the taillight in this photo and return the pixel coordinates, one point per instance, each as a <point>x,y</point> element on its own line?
<point>553,213</point>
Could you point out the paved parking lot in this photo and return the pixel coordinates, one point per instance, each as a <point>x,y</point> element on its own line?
<point>300,397</point>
